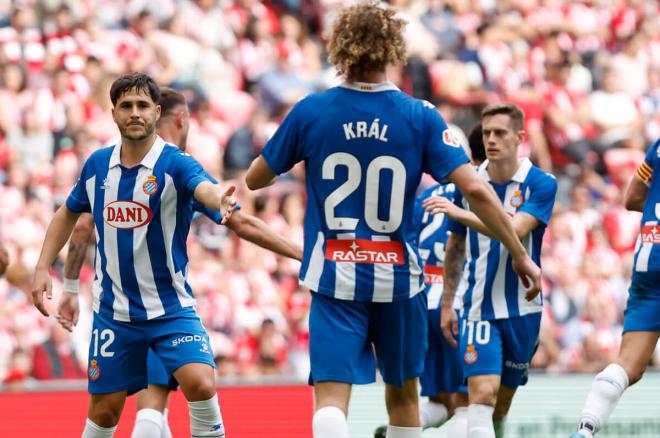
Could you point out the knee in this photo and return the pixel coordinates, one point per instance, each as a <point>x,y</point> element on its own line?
<point>105,414</point>
<point>483,393</point>
<point>200,389</point>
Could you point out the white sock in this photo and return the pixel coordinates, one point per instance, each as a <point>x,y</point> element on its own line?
<point>205,418</point>
<point>92,430</point>
<point>606,390</point>
<point>459,425</point>
<point>148,424</point>
<point>330,422</point>
<point>166,432</point>
<point>403,432</point>
<point>432,414</point>
<point>480,421</point>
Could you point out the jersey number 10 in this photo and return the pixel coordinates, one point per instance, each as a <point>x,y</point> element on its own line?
<point>372,191</point>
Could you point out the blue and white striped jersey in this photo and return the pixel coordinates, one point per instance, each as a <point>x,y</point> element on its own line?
<point>432,237</point>
<point>647,251</point>
<point>142,217</point>
<point>489,288</point>
<point>365,147</point>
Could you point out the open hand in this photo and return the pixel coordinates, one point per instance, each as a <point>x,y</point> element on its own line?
<point>227,203</point>
<point>41,283</point>
<point>529,273</point>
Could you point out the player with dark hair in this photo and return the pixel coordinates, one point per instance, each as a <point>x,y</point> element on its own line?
<point>499,322</point>
<point>365,145</point>
<point>140,194</point>
<point>172,126</point>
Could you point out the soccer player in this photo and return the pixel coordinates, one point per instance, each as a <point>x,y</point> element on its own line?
<point>139,193</point>
<point>442,381</point>
<point>499,321</point>
<point>641,325</point>
<point>365,145</point>
<point>172,126</point>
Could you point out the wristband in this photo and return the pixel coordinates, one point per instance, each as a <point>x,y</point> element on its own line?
<point>71,286</point>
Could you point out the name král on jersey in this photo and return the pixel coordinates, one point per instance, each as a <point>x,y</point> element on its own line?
<point>365,130</point>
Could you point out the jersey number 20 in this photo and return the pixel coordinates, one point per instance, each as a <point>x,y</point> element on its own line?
<point>372,191</point>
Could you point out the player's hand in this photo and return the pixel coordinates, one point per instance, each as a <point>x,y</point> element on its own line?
<point>449,325</point>
<point>4,259</point>
<point>529,273</point>
<point>227,203</point>
<point>438,204</point>
<point>40,284</point>
<point>68,311</point>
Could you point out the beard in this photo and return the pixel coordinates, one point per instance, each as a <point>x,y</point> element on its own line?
<point>148,131</point>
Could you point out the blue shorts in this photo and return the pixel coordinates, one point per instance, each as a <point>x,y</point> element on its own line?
<point>443,371</point>
<point>502,346</point>
<point>341,335</point>
<point>643,308</point>
<point>157,374</point>
<point>118,350</point>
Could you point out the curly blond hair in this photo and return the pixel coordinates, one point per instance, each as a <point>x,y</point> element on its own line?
<point>366,38</point>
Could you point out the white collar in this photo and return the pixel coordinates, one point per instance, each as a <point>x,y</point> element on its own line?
<point>370,87</point>
<point>524,166</point>
<point>149,160</point>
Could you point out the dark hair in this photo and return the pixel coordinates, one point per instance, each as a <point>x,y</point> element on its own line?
<point>506,108</point>
<point>476,142</point>
<point>170,99</point>
<point>137,82</point>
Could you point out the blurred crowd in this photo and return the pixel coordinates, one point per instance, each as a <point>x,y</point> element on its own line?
<point>586,73</point>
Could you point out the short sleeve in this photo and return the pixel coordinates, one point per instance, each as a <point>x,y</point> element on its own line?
<point>541,198</point>
<point>443,152</point>
<point>78,200</point>
<point>189,173</point>
<point>452,225</point>
<point>285,149</point>
<point>653,155</point>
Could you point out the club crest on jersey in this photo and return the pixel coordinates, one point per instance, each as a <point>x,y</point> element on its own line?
<point>150,186</point>
<point>471,355</point>
<point>126,215</point>
<point>450,138</point>
<point>517,199</point>
<point>365,251</point>
<point>94,372</point>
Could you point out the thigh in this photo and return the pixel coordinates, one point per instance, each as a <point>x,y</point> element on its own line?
<point>117,356</point>
<point>520,339</point>
<point>480,344</point>
<point>643,305</point>
<point>157,374</point>
<point>339,347</point>
<point>399,332</point>
<point>180,340</point>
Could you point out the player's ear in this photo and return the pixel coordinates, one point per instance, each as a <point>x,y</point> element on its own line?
<point>157,112</point>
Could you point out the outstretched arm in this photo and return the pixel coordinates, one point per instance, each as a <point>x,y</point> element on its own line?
<point>488,208</point>
<point>212,197</point>
<point>255,230</point>
<point>523,223</point>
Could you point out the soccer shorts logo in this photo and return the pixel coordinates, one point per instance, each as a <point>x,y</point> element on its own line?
<point>150,186</point>
<point>471,355</point>
<point>94,371</point>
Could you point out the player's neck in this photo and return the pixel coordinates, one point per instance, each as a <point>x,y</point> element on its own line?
<point>133,151</point>
<point>501,171</point>
<point>369,77</point>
